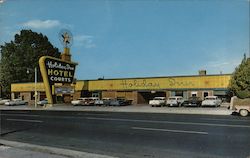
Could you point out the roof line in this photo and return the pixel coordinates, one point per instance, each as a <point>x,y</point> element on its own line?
<point>156,77</point>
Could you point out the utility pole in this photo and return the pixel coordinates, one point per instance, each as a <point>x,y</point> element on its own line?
<point>35,90</point>
<point>35,87</point>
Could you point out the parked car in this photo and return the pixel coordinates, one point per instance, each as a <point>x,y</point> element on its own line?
<point>106,101</point>
<point>16,102</point>
<point>91,100</point>
<point>3,101</point>
<point>175,101</point>
<point>243,110</point>
<point>158,101</point>
<point>42,102</point>
<point>99,102</point>
<point>240,106</point>
<point>103,101</point>
<point>126,101</point>
<point>211,101</point>
<point>192,101</point>
<point>120,102</point>
<point>84,101</point>
<point>115,102</point>
<point>79,101</point>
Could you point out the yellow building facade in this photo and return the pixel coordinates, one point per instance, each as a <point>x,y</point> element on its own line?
<point>140,90</point>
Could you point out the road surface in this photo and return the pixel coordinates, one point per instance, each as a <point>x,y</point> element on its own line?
<point>131,135</point>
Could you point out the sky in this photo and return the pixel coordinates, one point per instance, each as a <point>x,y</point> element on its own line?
<point>138,38</point>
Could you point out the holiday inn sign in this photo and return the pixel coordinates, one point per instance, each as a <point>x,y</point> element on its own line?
<point>55,70</point>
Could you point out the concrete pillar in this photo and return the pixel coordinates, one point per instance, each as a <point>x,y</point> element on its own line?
<point>135,97</point>
<point>76,95</point>
<point>168,94</point>
<point>12,96</point>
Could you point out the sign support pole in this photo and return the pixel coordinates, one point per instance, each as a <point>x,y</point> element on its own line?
<point>35,87</point>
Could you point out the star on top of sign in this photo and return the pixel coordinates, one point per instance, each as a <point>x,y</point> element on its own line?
<point>66,38</point>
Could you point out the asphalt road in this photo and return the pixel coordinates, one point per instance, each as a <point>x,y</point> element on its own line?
<point>132,135</point>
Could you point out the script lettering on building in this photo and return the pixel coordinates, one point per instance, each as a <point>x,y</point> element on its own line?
<point>139,84</point>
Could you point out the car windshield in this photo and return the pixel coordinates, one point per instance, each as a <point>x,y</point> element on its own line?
<point>210,98</point>
<point>106,99</point>
<point>158,98</point>
<point>194,98</point>
<point>171,98</point>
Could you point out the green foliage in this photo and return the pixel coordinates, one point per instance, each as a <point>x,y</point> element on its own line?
<point>21,54</point>
<point>240,82</point>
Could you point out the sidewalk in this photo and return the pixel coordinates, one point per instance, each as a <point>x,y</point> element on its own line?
<point>131,108</point>
<point>11,152</point>
<point>12,149</point>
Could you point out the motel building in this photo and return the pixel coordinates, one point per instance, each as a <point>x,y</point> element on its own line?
<point>139,90</point>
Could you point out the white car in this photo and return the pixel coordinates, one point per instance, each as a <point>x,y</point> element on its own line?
<point>3,101</point>
<point>175,101</point>
<point>211,101</point>
<point>91,100</point>
<point>99,102</point>
<point>243,110</point>
<point>79,101</point>
<point>43,102</point>
<point>106,101</point>
<point>103,101</point>
<point>158,101</point>
<point>16,102</point>
<point>84,101</point>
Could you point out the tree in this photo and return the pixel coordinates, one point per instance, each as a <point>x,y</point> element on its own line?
<point>240,81</point>
<point>21,54</point>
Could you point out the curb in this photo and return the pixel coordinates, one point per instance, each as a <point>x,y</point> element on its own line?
<point>143,109</point>
<point>52,150</point>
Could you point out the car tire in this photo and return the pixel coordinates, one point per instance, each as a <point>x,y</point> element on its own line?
<point>243,112</point>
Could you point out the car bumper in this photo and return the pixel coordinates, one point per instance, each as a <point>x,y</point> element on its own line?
<point>191,104</point>
<point>209,105</point>
<point>172,104</point>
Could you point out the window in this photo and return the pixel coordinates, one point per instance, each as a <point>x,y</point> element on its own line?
<point>32,96</point>
<point>179,93</point>
<point>205,94</point>
<point>95,94</point>
<point>16,95</point>
<point>193,94</point>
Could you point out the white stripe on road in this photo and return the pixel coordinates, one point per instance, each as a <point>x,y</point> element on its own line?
<point>89,114</point>
<point>169,122</point>
<point>211,119</point>
<point>22,120</point>
<point>20,115</point>
<point>17,112</point>
<point>169,130</point>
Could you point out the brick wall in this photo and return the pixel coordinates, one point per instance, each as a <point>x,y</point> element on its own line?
<point>27,97</point>
<point>108,94</point>
<point>76,95</point>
